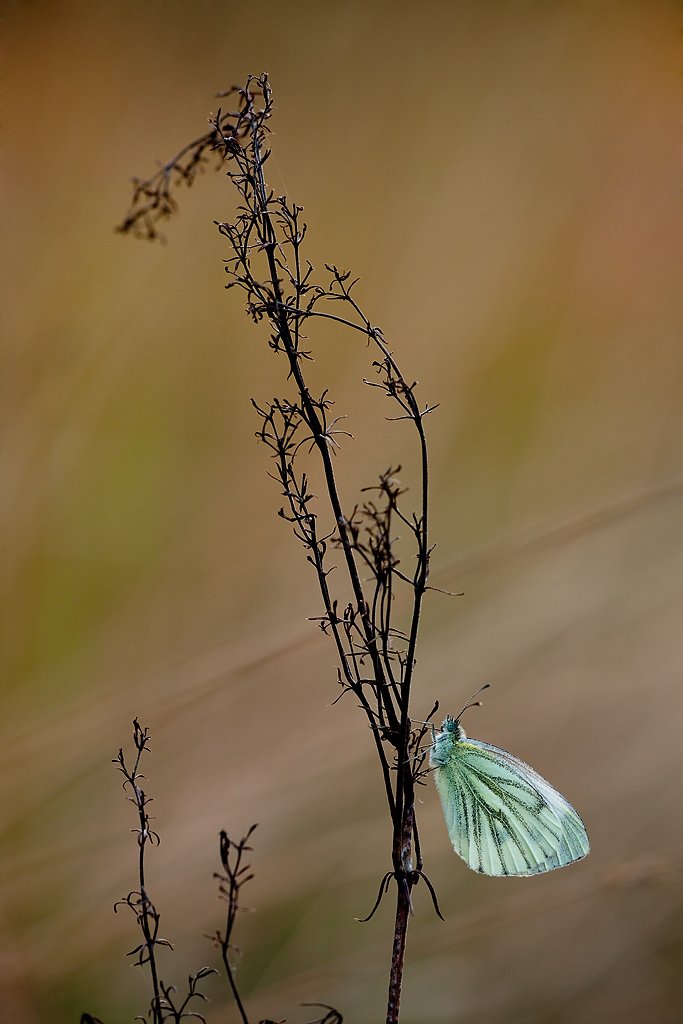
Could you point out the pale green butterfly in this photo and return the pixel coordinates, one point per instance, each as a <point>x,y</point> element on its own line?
<point>502,817</point>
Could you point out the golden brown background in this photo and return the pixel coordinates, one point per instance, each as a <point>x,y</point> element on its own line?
<point>502,176</point>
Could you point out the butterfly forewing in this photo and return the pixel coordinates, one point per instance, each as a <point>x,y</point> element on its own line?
<point>502,817</point>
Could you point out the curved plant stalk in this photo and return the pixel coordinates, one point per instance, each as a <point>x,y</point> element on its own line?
<point>376,655</point>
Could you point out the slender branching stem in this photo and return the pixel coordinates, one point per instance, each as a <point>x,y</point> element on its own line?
<point>163,1005</point>
<point>235,875</point>
<point>377,656</point>
<point>145,912</point>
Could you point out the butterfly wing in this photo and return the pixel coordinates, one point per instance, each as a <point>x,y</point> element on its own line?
<point>502,817</point>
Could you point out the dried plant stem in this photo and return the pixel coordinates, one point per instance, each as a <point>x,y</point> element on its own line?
<point>235,875</point>
<point>376,657</point>
<point>163,1005</point>
<point>403,907</point>
<point>145,912</point>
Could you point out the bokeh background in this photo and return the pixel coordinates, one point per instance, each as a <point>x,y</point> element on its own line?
<point>501,176</point>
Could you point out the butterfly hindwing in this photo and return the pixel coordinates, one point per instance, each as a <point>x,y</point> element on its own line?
<point>502,817</point>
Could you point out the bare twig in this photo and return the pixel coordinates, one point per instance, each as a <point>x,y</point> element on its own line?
<point>377,656</point>
<point>138,900</point>
<point>235,874</point>
<point>163,1006</point>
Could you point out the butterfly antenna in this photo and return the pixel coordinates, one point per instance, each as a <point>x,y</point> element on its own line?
<point>472,703</point>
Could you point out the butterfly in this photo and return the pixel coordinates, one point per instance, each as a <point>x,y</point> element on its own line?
<point>502,817</point>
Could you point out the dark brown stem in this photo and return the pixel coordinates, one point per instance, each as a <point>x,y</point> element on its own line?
<point>235,875</point>
<point>405,879</point>
<point>269,244</point>
<point>377,651</point>
<point>233,986</point>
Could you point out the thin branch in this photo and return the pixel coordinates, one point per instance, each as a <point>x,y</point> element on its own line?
<point>376,656</point>
<point>235,875</point>
<point>146,914</point>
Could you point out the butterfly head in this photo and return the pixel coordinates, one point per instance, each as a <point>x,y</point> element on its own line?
<point>453,727</point>
<point>444,742</point>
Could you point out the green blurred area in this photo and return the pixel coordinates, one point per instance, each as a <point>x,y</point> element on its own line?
<point>502,178</point>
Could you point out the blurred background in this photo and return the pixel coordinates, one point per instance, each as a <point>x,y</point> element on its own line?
<point>501,176</point>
